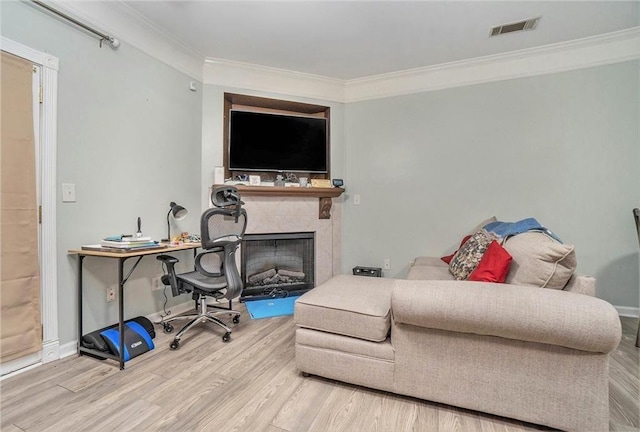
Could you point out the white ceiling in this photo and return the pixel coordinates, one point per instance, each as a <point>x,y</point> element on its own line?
<point>355,39</point>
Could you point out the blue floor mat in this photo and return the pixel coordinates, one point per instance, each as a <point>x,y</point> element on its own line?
<point>271,307</point>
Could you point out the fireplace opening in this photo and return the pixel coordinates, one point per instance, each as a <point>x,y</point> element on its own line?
<point>277,265</point>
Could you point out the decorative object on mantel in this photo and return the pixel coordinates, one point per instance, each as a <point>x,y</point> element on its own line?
<point>254,180</point>
<point>337,182</point>
<point>279,180</point>
<point>321,183</point>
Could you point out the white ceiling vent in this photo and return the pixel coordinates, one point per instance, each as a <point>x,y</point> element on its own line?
<point>529,24</point>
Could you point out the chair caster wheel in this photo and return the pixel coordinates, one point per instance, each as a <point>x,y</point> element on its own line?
<point>226,337</point>
<point>167,328</point>
<point>174,345</point>
<point>236,319</point>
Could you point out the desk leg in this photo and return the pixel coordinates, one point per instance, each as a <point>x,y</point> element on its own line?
<point>121,310</point>
<point>79,284</point>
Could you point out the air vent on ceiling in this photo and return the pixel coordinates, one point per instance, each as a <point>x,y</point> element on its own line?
<point>529,24</point>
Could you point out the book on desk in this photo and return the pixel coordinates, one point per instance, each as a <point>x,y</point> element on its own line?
<point>100,248</point>
<point>124,243</point>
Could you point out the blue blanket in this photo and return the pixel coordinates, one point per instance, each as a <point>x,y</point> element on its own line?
<point>506,229</point>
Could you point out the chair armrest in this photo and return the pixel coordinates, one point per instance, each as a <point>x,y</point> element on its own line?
<point>167,259</point>
<point>171,272</point>
<point>514,312</point>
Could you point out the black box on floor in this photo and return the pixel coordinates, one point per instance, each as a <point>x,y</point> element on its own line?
<point>367,271</point>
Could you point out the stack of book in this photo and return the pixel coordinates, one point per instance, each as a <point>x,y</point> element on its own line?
<point>128,243</point>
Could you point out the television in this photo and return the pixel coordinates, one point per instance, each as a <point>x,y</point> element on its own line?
<point>260,141</point>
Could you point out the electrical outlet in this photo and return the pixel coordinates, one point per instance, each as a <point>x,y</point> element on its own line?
<point>387,264</point>
<point>356,199</point>
<point>111,294</point>
<point>156,283</point>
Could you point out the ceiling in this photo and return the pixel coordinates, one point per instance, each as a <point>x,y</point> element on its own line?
<point>354,39</point>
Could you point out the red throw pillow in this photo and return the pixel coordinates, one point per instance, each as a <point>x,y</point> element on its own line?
<point>448,258</point>
<point>493,266</point>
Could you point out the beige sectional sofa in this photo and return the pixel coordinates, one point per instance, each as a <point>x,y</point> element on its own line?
<point>534,354</point>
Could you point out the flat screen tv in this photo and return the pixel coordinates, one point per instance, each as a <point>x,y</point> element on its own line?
<point>277,143</point>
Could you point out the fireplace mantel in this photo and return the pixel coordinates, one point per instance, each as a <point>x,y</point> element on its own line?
<point>324,194</point>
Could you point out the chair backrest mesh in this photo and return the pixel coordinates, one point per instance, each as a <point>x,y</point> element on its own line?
<point>219,227</point>
<point>211,262</point>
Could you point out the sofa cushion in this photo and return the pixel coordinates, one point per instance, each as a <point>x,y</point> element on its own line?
<point>429,261</point>
<point>348,305</point>
<point>469,255</point>
<point>430,272</point>
<point>493,266</point>
<point>539,260</point>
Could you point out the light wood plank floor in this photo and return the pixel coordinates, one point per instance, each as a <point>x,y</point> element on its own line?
<point>249,384</point>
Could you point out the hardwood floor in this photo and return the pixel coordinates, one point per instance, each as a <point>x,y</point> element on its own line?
<point>250,384</point>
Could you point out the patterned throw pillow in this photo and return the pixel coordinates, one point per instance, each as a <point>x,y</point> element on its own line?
<point>469,255</point>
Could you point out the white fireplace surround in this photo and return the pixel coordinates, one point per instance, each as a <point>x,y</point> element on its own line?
<point>294,214</point>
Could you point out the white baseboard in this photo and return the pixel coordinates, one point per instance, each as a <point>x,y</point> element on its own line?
<point>68,349</point>
<point>625,311</point>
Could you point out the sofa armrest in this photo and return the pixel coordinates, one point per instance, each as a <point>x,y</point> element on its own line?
<point>582,285</point>
<point>514,312</point>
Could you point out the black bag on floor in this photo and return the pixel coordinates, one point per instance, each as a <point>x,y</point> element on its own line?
<point>96,341</point>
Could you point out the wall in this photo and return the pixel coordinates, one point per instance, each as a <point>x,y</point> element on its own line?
<point>563,148</point>
<point>129,136</point>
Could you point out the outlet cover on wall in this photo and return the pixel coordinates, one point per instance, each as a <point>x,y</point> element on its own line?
<point>156,283</point>
<point>111,294</point>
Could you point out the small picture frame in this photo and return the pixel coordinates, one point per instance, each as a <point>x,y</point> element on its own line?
<point>254,180</point>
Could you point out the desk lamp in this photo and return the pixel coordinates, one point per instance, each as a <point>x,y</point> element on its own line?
<point>178,212</point>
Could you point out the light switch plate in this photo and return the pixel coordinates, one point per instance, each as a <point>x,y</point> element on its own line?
<point>68,192</point>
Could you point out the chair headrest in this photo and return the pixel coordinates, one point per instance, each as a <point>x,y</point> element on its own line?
<point>226,196</point>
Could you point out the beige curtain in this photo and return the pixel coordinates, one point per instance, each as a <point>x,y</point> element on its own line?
<point>20,328</point>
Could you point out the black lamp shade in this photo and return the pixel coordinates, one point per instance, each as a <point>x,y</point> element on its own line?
<point>178,213</point>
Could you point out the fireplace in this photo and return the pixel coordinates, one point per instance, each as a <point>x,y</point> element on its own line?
<point>277,264</point>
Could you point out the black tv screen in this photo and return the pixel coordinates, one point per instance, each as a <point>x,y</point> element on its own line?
<point>275,142</point>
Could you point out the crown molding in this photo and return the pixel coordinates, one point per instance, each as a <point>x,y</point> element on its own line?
<point>592,51</point>
<point>122,22</point>
<point>274,80</point>
<point>582,53</point>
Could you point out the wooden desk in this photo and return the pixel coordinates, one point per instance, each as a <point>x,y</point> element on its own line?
<point>122,280</point>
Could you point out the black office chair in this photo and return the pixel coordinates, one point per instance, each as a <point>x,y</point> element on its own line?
<point>216,275</point>
<point>636,217</point>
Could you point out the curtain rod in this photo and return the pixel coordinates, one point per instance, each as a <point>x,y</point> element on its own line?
<point>113,42</point>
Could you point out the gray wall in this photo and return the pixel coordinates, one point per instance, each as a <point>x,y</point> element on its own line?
<point>129,137</point>
<point>563,148</point>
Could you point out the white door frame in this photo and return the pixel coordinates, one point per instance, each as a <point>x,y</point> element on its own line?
<point>46,143</point>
